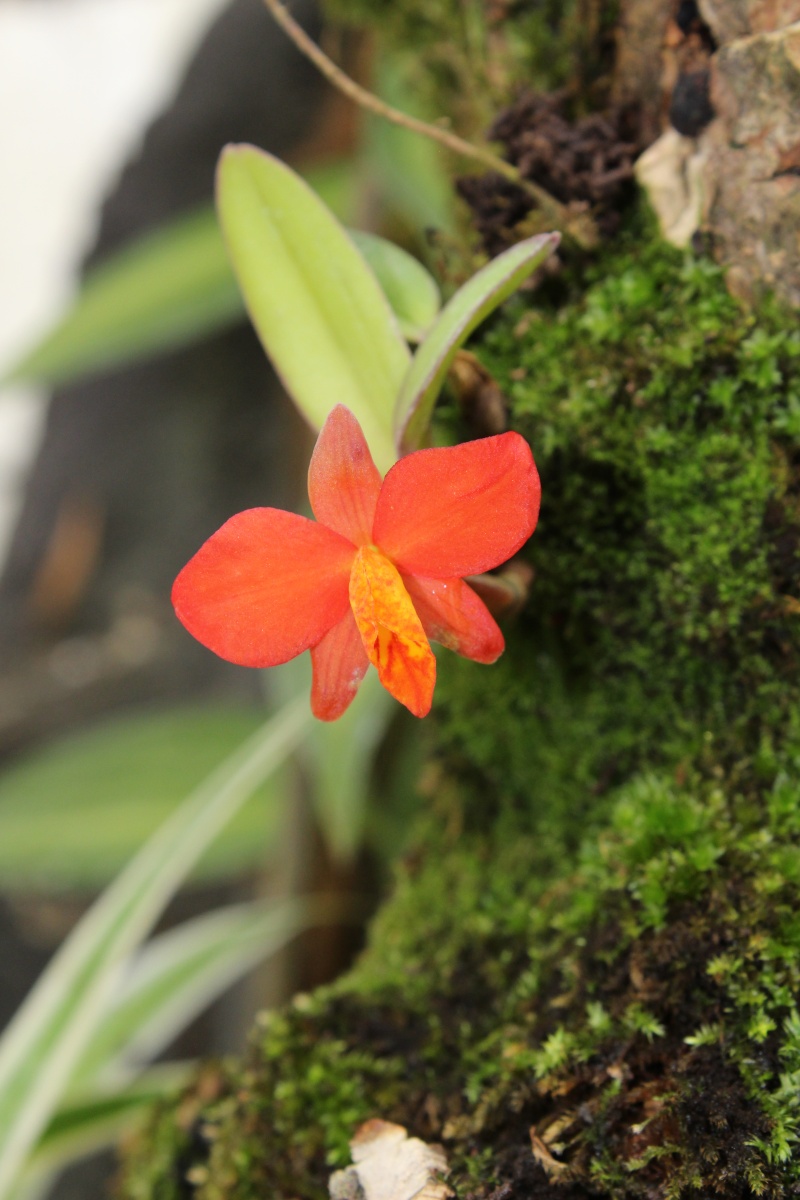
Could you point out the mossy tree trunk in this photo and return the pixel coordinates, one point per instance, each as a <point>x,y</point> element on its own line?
<point>586,980</point>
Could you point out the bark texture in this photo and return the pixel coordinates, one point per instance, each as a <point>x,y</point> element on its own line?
<point>753,168</point>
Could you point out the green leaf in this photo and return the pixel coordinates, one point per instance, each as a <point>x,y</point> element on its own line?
<point>410,173</point>
<point>338,756</point>
<point>168,288</point>
<point>72,814</point>
<point>316,306</point>
<point>178,974</point>
<point>175,285</point>
<point>471,304</point>
<point>98,1120</point>
<point>343,753</point>
<point>336,182</point>
<point>165,289</point>
<point>410,289</point>
<point>44,1041</point>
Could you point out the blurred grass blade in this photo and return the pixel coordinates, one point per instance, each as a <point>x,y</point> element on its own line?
<point>94,1122</point>
<point>343,753</point>
<point>316,306</point>
<point>410,172</point>
<point>175,285</point>
<point>410,289</point>
<point>73,813</point>
<point>410,176</point>
<point>168,288</point>
<point>45,1039</point>
<point>471,304</point>
<point>165,289</point>
<point>178,974</point>
<point>338,756</point>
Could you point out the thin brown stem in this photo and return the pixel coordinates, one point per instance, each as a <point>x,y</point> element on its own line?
<point>551,208</point>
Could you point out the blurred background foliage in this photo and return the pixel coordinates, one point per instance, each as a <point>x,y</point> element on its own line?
<point>165,419</point>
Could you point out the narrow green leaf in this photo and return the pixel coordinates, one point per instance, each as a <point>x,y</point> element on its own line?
<point>165,289</point>
<point>471,304</point>
<point>98,1120</point>
<point>42,1044</point>
<point>73,813</point>
<point>168,288</point>
<point>343,754</point>
<point>175,285</point>
<point>338,756</point>
<point>178,974</point>
<point>410,289</point>
<point>411,174</point>
<point>316,306</point>
<point>336,182</point>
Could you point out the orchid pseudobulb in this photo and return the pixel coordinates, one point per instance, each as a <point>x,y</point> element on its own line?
<point>377,576</point>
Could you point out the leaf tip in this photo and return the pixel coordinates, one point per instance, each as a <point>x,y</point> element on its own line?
<point>239,153</point>
<point>229,153</point>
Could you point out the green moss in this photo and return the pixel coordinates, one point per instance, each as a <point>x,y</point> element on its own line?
<point>643,1006</point>
<point>664,422</point>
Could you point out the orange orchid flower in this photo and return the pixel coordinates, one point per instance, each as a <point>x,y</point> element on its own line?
<point>378,573</point>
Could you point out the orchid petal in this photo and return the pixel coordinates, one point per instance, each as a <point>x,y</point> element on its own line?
<point>339,662</point>
<point>391,631</point>
<point>263,588</point>
<point>454,616</point>
<point>459,510</point>
<point>343,481</point>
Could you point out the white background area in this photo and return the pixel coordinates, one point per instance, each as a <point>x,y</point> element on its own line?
<point>79,82</point>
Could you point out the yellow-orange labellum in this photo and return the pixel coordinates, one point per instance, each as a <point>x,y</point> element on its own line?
<point>391,631</point>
